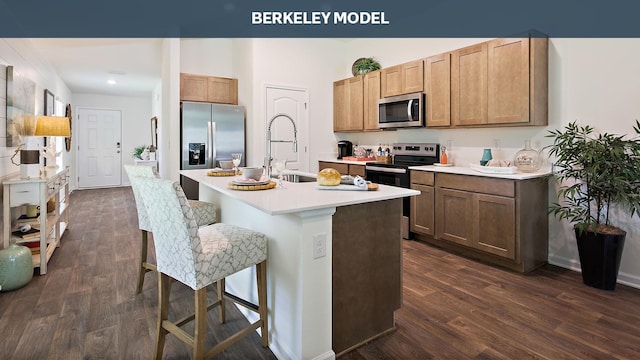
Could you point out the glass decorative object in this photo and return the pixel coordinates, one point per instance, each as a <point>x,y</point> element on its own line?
<point>486,156</point>
<point>527,159</point>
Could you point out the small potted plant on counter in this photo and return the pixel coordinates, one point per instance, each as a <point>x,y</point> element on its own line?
<point>596,173</point>
<point>139,151</point>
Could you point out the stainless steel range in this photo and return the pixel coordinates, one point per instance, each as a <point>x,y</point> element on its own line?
<point>397,173</point>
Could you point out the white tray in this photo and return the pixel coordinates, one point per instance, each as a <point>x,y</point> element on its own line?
<point>494,169</point>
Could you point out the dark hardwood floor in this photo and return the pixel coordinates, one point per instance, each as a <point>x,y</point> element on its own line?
<point>454,308</point>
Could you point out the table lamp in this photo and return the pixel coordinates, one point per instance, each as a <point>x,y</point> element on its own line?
<point>52,126</point>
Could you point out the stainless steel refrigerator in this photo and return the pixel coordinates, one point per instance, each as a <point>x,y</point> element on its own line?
<point>209,133</point>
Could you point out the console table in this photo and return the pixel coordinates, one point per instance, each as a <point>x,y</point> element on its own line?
<point>52,184</point>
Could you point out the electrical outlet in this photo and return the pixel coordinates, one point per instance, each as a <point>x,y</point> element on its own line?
<point>319,245</point>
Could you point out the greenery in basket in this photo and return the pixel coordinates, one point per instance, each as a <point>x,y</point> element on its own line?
<point>365,65</point>
<point>137,151</point>
<point>602,170</point>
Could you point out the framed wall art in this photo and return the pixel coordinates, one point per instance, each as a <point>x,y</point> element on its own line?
<point>21,107</point>
<point>49,103</point>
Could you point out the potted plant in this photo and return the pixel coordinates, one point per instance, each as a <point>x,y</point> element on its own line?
<point>138,150</point>
<point>596,172</point>
<point>364,65</point>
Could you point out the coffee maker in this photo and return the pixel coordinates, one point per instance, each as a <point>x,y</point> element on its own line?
<point>345,148</point>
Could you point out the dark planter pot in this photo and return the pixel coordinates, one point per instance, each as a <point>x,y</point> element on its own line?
<point>600,256</point>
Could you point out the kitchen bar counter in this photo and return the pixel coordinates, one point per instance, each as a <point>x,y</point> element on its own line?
<point>322,302</point>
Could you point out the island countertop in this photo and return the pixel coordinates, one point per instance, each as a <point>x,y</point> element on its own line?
<point>297,197</point>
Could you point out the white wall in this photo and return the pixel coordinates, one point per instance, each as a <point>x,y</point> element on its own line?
<point>136,120</point>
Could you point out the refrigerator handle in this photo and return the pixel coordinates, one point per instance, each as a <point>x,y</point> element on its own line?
<point>211,137</point>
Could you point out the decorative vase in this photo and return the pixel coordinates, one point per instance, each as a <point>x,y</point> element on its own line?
<point>16,267</point>
<point>527,159</point>
<point>486,156</point>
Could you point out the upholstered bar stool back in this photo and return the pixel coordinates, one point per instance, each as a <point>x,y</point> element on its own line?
<point>199,257</point>
<point>204,213</point>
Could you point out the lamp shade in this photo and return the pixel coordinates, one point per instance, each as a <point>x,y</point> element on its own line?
<point>53,126</point>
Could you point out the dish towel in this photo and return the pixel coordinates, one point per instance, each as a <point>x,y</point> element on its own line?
<point>357,180</point>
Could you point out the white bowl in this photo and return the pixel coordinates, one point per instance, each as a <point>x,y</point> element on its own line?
<point>254,173</point>
<point>226,164</point>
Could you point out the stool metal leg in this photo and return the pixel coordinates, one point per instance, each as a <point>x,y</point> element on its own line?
<point>261,279</point>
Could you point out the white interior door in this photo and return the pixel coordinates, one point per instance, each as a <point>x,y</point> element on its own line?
<point>99,148</point>
<point>292,102</point>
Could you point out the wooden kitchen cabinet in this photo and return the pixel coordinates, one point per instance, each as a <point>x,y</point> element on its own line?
<point>208,89</point>
<point>422,206</point>
<point>371,97</point>
<point>348,104</point>
<point>437,84</point>
<point>343,168</point>
<point>469,85</point>
<point>402,79</point>
<point>52,185</point>
<point>501,82</point>
<point>500,221</point>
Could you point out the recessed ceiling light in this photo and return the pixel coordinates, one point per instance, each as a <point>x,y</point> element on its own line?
<point>111,82</point>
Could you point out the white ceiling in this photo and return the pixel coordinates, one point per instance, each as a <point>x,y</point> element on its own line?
<point>85,65</point>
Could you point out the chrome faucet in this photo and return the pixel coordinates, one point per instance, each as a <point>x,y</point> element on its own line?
<point>267,159</point>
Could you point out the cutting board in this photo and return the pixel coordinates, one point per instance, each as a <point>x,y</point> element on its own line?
<point>370,187</point>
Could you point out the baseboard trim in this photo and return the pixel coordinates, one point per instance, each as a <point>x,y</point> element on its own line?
<point>572,264</point>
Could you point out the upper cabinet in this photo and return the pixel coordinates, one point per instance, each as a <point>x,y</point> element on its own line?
<point>371,97</point>
<point>437,85</point>
<point>500,83</point>
<point>208,89</point>
<point>402,79</point>
<point>469,85</point>
<point>348,104</point>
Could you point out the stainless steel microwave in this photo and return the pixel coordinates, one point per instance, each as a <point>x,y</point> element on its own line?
<point>401,111</point>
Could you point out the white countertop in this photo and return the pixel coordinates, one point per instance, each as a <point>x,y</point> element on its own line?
<point>297,197</point>
<point>461,170</point>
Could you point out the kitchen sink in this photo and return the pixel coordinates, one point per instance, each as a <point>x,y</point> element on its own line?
<point>295,178</point>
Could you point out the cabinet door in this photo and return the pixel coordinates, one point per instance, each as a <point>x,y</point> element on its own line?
<point>355,120</point>
<point>222,90</point>
<point>193,87</point>
<point>340,105</point>
<point>357,170</point>
<point>422,210</point>
<point>371,97</point>
<point>438,88</point>
<point>348,104</point>
<point>412,77</point>
<point>469,85</point>
<point>508,81</point>
<point>494,229</point>
<point>454,213</point>
<point>391,81</point>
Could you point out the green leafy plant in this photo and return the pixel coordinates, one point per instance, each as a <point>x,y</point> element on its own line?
<point>596,172</point>
<point>365,65</point>
<point>137,151</point>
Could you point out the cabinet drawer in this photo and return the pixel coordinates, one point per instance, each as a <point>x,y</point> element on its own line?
<point>422,177</point>
<point>21,194</point>
<point>485,185</point>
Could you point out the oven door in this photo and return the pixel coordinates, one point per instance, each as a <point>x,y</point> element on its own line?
<point>395,177</point>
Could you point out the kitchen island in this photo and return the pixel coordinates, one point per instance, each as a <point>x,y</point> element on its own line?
<point>334,261</point>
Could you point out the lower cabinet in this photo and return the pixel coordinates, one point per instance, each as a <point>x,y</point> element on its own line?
<point>343,168</point>
<point>501,221</point>
<point>422,216</point>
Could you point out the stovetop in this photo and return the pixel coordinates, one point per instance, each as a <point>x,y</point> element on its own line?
<point>413,154</point>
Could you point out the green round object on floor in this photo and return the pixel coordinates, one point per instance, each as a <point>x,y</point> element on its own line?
<point>16,267</point>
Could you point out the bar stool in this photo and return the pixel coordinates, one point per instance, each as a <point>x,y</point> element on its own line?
<point>198,257</point>
<point>204,212</point>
